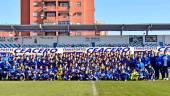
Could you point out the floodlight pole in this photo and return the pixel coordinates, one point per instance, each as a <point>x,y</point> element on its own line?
<point>122,29</point>
<point>148,29</point>
<point>95,28</point>
<point>13,29</point>
<point>68,28</point>
<point>41,28</point>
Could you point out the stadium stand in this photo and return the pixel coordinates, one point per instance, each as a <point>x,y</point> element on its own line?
<point>84,66</point>
<point>79,41</point>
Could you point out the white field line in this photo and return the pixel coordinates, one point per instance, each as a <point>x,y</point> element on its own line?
<point>94,88</point>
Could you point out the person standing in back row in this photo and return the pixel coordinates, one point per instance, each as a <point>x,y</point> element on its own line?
<point>165,66</point>
<point>159,66</point>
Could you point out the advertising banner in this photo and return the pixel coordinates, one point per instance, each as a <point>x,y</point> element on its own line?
<point>37,50</point>
<point>108,49</point>
<point>83,50</point>
<point>68,50</point>
<point>145,48</point>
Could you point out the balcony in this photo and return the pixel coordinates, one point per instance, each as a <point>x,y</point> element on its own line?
<point>49,8</point>
<point>60,8</point>
<point>63,0</point>
<point>49,0</point>
<point>63,18</point>
<point>49,20</point>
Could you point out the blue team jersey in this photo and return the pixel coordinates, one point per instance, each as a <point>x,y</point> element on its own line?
<point>159,61</point>
<point>1,64</point>
<point>6,67</point>
<point>146,60</point>
<point>168,60</point>
<point>10,59</point>
<point>140,66</point>
<point>13,70</point>
<point>134,62</point>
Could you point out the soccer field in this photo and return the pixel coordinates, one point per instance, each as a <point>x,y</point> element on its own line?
<point>84,88</point>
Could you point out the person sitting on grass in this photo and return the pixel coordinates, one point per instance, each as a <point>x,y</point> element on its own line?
<point>134,75</point>
<point>146,74</point>
<point>151,72</point>
<point>141,74</point>
<point>128,72</point>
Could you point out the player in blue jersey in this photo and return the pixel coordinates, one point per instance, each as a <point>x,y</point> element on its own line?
<point>128,72</point>
<point>141,74</point>
<point>151,72</point>
<point>10,58</point>
<point>140,65</point>
<point>134,62</point>
<point>52,72</point>
<point>6,68</point>
<point>159,66</point>
<point>124,76</point>
<point>153,57</point>
<point>1,67</point>
<point>145,59</point>
<point>35,73</point>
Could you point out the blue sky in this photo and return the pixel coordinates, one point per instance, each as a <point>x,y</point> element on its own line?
<point>108,11</point>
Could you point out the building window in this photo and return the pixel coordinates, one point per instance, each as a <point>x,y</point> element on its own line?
<point>78,33</point>
<point>78,14</point>
<point>64,33</point>
<point>65,14</point>
<point>35,14</point>
<point>78,4</point>
<point>63,4</point>
<point>42,15</point>
<point>51,14</point>
<point>50,3</point>
<point>17,33</point>
<point>11,34</point>
<point>35,4</point>
<point>150,38</point>
<point>78,23</point>
<point>49,22</point>
<point>34,23</point>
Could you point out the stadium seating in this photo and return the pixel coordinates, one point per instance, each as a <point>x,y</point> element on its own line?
<point>10,45</point>
<point>79,41</point>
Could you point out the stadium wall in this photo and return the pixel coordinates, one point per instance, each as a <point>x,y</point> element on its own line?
<point>98,41</point>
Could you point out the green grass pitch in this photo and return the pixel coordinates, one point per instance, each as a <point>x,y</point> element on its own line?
<point>84,88</point>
